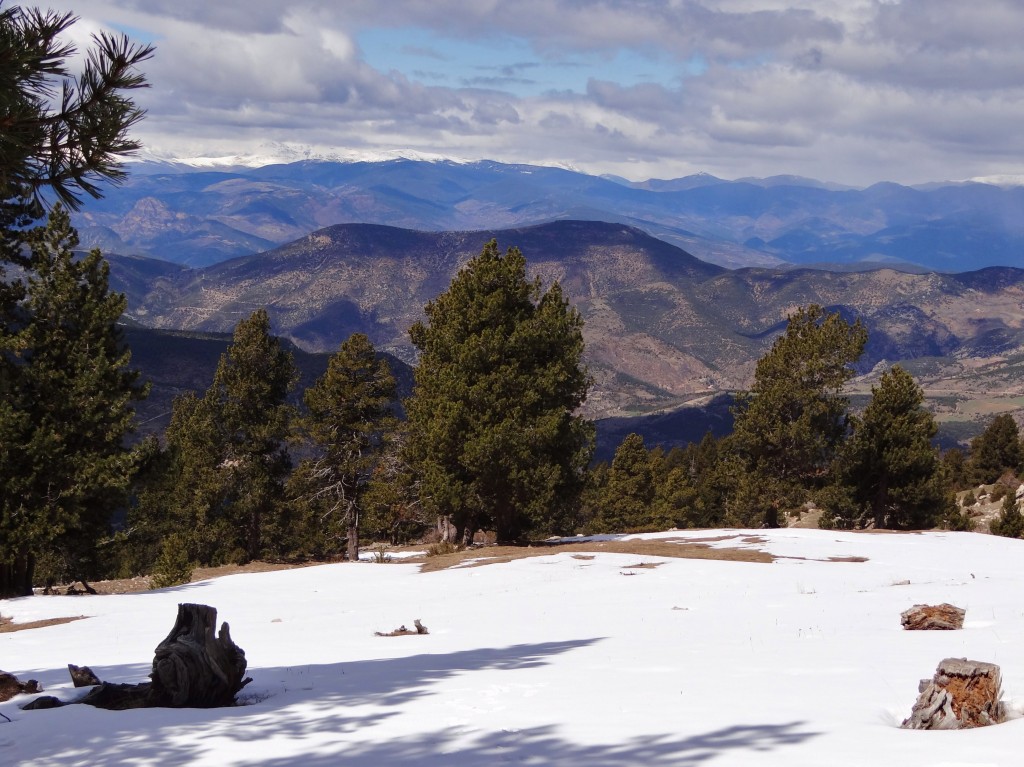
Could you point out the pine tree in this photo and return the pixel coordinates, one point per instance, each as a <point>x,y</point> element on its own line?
<point>60,132</point>
<point>790,424</point>
<point>186,492</point>
<point>227,457</point>
<point>248,400</point>
<point>60,136</point>
<point>348,420</point>
<point>493,430</point>
<point>995,451</point>
<point>393,510</point>
<point>675,499</point>
<point>66,411</point>
<point>1010,522</point>
<point>892,469</point>
<point>627,501</point>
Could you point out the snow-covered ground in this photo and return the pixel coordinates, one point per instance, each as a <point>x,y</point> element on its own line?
<point>552,660</point>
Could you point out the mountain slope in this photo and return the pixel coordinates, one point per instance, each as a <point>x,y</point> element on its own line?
<point>662,328</point>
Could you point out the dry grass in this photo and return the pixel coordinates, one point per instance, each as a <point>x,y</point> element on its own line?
<point>678,548</point>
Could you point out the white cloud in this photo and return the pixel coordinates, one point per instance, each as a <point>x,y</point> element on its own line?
<point>848,90</point>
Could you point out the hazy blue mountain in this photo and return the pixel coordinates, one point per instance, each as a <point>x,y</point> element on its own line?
<point>202,217</point>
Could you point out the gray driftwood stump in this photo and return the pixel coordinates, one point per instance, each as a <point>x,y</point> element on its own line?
<point>962,694</point>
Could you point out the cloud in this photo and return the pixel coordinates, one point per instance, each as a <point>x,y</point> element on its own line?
<point>848,90</point>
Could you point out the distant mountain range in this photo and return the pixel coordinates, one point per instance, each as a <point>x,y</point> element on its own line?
<point>202,217</point>
<point>663,328</point>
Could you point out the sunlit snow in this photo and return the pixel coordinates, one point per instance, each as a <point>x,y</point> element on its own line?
<point>552,660</point>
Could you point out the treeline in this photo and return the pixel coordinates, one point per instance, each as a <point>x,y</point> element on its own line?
<point>797,447</point>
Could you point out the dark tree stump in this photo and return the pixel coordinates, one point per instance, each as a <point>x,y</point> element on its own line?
<point>193,668</point>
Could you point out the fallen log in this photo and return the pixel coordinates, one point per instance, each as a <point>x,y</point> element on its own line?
<point>402,631</point>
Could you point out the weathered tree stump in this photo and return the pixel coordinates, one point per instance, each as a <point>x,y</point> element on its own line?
<point>944,617</point>
<point>192,668</point>
<point>962,694</point>
<point>11,686</point>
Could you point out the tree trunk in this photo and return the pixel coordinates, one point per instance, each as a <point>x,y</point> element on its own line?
<point>446,532</point>
<point>353,535</point>
<point>16,576</point>
<point>252,538</point>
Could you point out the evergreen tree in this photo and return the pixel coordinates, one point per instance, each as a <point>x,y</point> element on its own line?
<point>790,424</point>
<point>955,465</point>
<point>995,451</point>
<point>675,499</point>
<point>493,430</point>
<point>65,414</point>
<point>627,502</point>
<point>349,417</point>
<point>227,457</point>
<point>393,511</point>
<point>184,498</point>
<point>890,466</point>
<point>61,133</point>
<point>251,414</point>
<point>1010,522</point>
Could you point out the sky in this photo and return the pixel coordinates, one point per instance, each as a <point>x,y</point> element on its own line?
<point>850,91</point>
<point>574,660</point>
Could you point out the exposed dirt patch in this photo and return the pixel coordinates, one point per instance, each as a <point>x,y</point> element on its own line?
<point>643,566</point>
<point>142,582</point>
<point>204,573</point>
<point>829,559</point>
<point>7,626</point>
<point>491,555</point>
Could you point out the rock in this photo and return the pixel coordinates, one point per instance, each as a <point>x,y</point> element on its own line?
<point>944,617</point>
<point>962,694</point>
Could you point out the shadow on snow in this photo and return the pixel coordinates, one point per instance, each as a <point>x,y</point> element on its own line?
<point>307,715</point>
